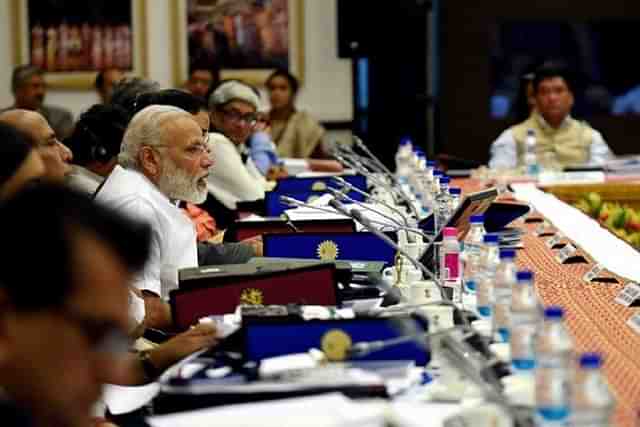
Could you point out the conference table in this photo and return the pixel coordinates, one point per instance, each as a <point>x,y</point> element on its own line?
<point>595,321</point>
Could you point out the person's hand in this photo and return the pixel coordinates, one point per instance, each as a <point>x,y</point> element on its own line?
<point>276,172</point>
<point>199,337</point>
<point>157,312</point>
<point>256,244</point>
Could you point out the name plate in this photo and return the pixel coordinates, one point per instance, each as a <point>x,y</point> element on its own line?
<point>634,323</point>
<point>565,253</point>
<point>555,239</point>
<point>592,273</point>
<point>628,294</point>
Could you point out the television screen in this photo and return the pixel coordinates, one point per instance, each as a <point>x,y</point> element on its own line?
<point>600,55</point>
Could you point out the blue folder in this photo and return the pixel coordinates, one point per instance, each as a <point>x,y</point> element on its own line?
<point>330,246</point>
<point>270,339</point>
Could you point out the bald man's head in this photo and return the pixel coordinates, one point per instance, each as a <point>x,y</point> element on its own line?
<point>55,155</point>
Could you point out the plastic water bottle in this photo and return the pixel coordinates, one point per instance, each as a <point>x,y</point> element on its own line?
<point>525,317</point>
<point>592,403</point>
<point>442,204</point>
<point>472,248</point>
<point>504,283</point>
<point>530,155</point>
<point>450,264</point>
<point>403,158</point>
<point>489,262</point>
<point>435,184</point>
<point>456,195</point>
<point>553,373</point>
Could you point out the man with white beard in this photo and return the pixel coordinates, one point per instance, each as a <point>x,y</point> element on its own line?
<point>163,160</point>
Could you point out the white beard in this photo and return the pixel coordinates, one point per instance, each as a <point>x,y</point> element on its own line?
<point>176,184</point>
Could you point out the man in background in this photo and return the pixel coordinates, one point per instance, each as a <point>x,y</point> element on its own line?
<point>567,141</point>
<point>29,91</point>
<point>105,81</point>
<point>233,108</point>
<point>55,155</point>
<point>202,80</point>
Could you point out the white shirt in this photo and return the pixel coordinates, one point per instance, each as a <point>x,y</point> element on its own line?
<point>83,180</point>
<point>230,180</point>
<point>504,153</point>
<point>173,240</point>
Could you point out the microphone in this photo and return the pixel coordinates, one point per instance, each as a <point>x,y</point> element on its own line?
<point>347,187</point>
<point>398,192</point>
<point>369,226</point>
<point>340,195</point>
<point>397,226</point>
<point>364,348</point>
<point>289,222</point>
<point>368,152</point>
<point>445,299</point>
<point>289,201</point>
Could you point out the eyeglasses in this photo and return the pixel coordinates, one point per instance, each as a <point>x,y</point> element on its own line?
<point>250,118</point>
<point>103,337</point>
<point>193,150</point>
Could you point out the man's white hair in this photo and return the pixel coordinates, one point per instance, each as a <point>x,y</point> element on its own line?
<point>146,128</point>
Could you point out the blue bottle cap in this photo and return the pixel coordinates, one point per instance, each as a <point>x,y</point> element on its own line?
<point>524,276</point>
<point>590,361</point>
<point>437,173</point>
<point>431,163</point>
<point>455,191</point>
<point>444,179</point>
<point>491,238</point>
<point>477,219</point>
<point>507,253</point>
<point>553,312</point>
<point>405,141</point>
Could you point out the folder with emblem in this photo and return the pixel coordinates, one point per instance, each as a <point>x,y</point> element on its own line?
<point>220,289</point>
<point>250,227</point>
<point>330,246</point>
<point>266,338</point>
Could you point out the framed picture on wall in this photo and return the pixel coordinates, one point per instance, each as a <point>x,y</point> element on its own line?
<point>244,39</point>
<point>71,40</point>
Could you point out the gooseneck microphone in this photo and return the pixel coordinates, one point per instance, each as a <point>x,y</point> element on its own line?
<point>347,187</point>
<point>338,195</point>
<point>364,348</point>
<point>369,226</point>
<point>289,222</point>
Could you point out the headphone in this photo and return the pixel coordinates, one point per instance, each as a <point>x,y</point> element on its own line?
<point>97,152</point>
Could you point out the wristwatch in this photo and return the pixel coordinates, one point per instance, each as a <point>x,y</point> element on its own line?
<point>151,373</point>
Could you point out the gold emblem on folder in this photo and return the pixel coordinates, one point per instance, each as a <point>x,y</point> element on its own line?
<point>336,345</point>
<point>328,250</point>
<point>251,296</point>
<point>319,186</point>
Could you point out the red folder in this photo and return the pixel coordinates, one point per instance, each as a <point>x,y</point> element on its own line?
<point>210,295</point>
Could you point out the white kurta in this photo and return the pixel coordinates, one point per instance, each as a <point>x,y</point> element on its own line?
<point>230,180</point>
<point>173,242</point>
<point>83,180</point>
